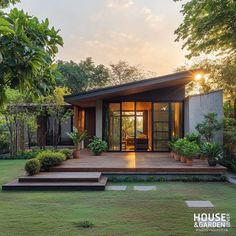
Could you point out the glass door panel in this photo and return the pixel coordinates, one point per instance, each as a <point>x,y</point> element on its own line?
<point>114,127</point>
<point>160,126</point>
<point>143,141</point>
<point>128,124</point>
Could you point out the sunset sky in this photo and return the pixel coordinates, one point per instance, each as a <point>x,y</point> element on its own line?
<point>138,31</point>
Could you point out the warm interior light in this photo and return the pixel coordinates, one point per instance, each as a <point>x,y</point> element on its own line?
<point>164,108</point>
<point>198,76</point>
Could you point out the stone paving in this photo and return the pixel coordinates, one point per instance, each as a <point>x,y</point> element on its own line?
<point>145,188</point>
<point>116,188</point>
<point>199,204</point>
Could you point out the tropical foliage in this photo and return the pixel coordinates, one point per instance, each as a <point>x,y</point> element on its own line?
<point>82,76</point>
<point>97,145</point>
<point>77,137</point>
<point>28,47</point>
<point>209,127</point>
<point>208,27</point>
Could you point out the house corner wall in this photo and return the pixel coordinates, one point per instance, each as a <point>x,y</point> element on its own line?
<point>99,118</point>
<point>186,116</point>
<point>198,106</point>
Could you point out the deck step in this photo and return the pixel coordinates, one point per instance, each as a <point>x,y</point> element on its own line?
<point>63,177</point>
<point>192,169</point>
<point>16,185</point>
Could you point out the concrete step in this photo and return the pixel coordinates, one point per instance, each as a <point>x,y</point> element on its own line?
<point>42,186</point>
<point>63,177</point>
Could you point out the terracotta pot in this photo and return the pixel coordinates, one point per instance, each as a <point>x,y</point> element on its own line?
<point>202,158</point>
<point>189,162</point>
<point>182,159</point>
<point>76,153</point>
<point>172,154</point>
<point>177,157</point>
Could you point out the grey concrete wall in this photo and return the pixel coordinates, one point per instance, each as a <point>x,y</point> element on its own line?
<point>195,107</point>
<point>99,118</point>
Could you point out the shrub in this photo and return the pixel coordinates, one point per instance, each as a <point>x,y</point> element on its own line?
<point>84,224</point>
<point>67,152</point>
<point>194,138</point>
<point>32,166</point>
<point>27,154</point>
<point>179,145</point>
<point>212,151</point>
<point>209,126</point>
<point>190,150</point>
<point>97,146</point>
<point>49,158</point>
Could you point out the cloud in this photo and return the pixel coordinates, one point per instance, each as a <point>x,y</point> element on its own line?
<point>109,46</point>
<point>120,4</point>
<point>152,20</point>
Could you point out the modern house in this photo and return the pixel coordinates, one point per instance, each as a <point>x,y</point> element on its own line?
<point>143,115</point>
<point>137,120</point>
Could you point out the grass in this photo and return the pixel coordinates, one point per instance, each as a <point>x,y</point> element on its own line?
<point>161,212</point>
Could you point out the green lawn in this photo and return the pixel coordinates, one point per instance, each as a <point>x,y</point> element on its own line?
<point>161,212</point>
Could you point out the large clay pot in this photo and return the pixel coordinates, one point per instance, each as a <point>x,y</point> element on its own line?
<point>76,153</point>
<point>189,162</point>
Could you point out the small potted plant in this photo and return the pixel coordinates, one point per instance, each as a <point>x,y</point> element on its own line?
<point>178,146</point>
<point>213,152</point>
<point>171,147</point>
<point>190,151</point>
<point>97,146</point>
<point>77,137</point>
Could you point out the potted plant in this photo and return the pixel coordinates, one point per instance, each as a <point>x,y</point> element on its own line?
<point>190,151</point>
<point>213,152</point>
<point>77,137</point>
<point>178,146</point>
<point>97,146</point>
<point>171,147</point>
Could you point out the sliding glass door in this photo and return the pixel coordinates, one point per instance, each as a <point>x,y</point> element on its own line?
<point>142,126</point>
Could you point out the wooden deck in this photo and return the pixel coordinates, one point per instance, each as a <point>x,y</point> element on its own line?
<point>92,172</point>
<point>135,162</point>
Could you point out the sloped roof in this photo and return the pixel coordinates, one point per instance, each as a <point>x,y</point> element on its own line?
<point>171,80</point>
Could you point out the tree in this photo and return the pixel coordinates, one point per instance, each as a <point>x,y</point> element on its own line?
<point>56,109</point>
<point>6,3</point>
<point>122,72</point>
<point>208,27</point>
<point>27,50</point>
<point>15,115</point>
<point>82,76</point>
<point>209,126</point>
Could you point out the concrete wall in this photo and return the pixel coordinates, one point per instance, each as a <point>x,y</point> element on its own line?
<point>99,118</point>
<point>195,107</point>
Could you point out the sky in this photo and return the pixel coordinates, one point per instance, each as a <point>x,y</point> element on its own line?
<point>140,32</point>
